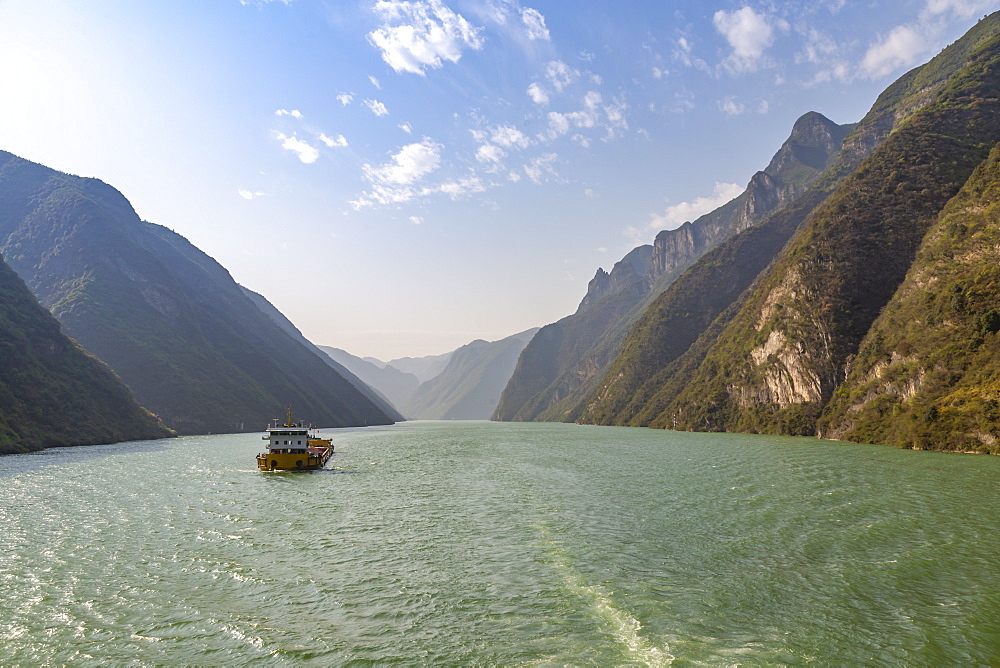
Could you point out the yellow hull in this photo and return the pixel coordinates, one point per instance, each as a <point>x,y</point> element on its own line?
<point>290,461</point>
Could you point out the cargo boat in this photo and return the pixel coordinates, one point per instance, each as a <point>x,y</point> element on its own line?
<point>294,447</point>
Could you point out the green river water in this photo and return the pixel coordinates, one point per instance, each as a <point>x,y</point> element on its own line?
<point>476,543</point>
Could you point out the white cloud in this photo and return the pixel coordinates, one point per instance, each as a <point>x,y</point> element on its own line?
<point>375,82</point>
<point>538,94</point>
<point>535,23</point>
<point>406,127</point>
<point>248,194</point>
<point>560,74</point>
<point>345,98</point>
<point>731,107</point>
<point>416,220</point>
<point>420,34</point>
<point>490,153</point>
<point>339,140</point>
<point>508,136</point>
<point>306,152</point>
<point>377,107</point>
<point>748,33</point>
<point>898,49</point>
<point>541,166</point>
<point>962,8</point>
<point>558,124</point>
<point>678,214</point>
<point>460,188</point>
<point>410,164</point>
<point>294,113</point>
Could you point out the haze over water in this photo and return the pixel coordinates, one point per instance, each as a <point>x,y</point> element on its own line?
<point>512,544</point>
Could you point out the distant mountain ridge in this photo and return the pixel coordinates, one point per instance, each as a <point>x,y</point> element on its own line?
<point>397,386</point>
<point>52,392</point>
<point>470,385</point>
<point>562,364</point>
<point>167,318</point>
<point>380,401</point>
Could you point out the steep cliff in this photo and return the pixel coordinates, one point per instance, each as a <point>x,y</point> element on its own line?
<point>167,318</point>
<point>562,366</point>
<point>774,355</point>
<point>927,374</point>
<point>52,392</point>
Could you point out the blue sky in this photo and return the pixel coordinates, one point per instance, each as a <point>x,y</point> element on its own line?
<point>402,177</point>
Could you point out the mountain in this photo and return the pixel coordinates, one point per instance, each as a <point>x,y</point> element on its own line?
<point>745,343</point>
<point>397,386</point>
<point>561,366</point>
<point>52,392</point>
<point>168,319</point>
<point>470,385</point>
<point>928,371</point>
<point>370,393</point>
<point>424,368</point>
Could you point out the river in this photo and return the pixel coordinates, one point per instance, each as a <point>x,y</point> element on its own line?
<point>501,544</point>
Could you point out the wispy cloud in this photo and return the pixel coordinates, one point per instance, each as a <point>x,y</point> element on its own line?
<point>375,82</point>
<point>294,113</point>
<point>731,107</point>
<point>249,194</point>
<point>406,127</point>
<point>677,214</point>
<point>541,166</point>
<point>488,153</point>
<point>534,23</point>
<point>421,34</point>
<point>345,98</point>
<point>560,74</point>
<point>377,107</point>
<point>594,113</point>
<point>333,142</point>
<point>305,151</point>
<point>399,180</point>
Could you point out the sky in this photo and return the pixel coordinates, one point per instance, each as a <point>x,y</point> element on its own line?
<point>401,177</point>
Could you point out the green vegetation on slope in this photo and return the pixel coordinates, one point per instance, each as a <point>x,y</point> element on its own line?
<point>782,357</point>
<point>52,392</point>
<point>167,318</point>
<point>927,375</point>
<point>562,366</point>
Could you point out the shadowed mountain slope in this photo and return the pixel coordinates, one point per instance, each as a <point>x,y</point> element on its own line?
<point>167,318</point>
<point>52,392</point>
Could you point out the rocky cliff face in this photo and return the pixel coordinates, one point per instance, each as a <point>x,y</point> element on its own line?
<point>552,378</point>
<point>927,374</point>
<point>626,273</point>
<point>709,353</point>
